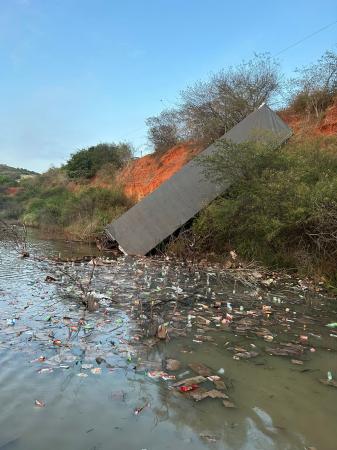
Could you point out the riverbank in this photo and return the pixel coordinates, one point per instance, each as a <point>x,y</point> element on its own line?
<point>247,273</point>
<point>282,214</point>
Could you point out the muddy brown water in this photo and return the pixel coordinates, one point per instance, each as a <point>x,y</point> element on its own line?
<point>279,405</point>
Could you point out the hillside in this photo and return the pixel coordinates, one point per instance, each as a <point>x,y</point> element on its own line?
<point>13,173</point>
<point>10,178</point>
<point>143,175</point>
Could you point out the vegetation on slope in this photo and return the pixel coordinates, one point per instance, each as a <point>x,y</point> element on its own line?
<point>207,109</point>
<point>85,163</point>
<point>62,199</point>
<point>281,207</point>
<point>10,182</point>
<point>12,175</point>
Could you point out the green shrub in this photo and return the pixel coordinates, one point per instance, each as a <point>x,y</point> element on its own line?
<point>4,180</point>
<point>281,203</point>
<point>85,163</point>
<point>84,213</point>
<point>46,207</point>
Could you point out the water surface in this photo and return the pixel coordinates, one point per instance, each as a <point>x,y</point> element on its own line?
<point>279,405</point>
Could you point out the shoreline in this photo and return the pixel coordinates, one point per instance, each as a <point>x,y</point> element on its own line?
<point>246,272</point>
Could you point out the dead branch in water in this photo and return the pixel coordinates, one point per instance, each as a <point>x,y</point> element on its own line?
<point>17,235</point>
<point>89,301</point>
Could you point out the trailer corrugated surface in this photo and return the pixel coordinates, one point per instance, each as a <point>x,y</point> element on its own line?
<point>180,198</point>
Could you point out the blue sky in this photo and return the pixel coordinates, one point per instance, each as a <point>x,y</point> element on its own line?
<point>78,72</point>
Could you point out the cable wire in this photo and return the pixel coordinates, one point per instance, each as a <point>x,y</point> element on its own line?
<point>306,37</point>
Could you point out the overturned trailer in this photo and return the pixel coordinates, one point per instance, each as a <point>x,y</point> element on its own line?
<point>179,199</point>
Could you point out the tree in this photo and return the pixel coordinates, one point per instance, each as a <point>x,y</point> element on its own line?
<point>163,130</point>
<point>315,85</point>
<point>209,109</point>
<point>85,163</point>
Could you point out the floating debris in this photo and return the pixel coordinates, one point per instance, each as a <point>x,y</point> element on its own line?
<point>173,364</point>
<point>200,369</point>
<point>140,409</point>
<point>189,381</point>
<point>187,388</point>
<point>228,404</point>
<point>201,394</point>
<point>45,370</point>
<point>332,383</point>
<point>39,403</point>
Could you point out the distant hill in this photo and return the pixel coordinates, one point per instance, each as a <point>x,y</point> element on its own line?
<point>14,174</point>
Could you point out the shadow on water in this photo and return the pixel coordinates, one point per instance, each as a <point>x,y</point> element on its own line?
<point>93,377</point>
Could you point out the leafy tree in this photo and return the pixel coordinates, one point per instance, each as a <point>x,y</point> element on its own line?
<point>85,163</point>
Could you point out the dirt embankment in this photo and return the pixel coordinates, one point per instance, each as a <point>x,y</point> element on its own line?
<point>328,125</point>
<point>305,125</point>
<point>142,176</point>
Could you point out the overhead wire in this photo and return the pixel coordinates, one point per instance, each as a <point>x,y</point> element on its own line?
<point>314,33</point>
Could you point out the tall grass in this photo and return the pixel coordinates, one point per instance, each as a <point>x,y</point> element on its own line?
<point>53,203</point>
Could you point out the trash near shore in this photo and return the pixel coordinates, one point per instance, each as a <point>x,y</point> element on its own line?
<point>249,319</point>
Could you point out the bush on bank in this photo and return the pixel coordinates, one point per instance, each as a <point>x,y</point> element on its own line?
<point>281,207</point>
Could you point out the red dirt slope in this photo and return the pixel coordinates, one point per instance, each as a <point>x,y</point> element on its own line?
<point>142,176</point>
<point>303,125</point>
<point>328,125</point>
